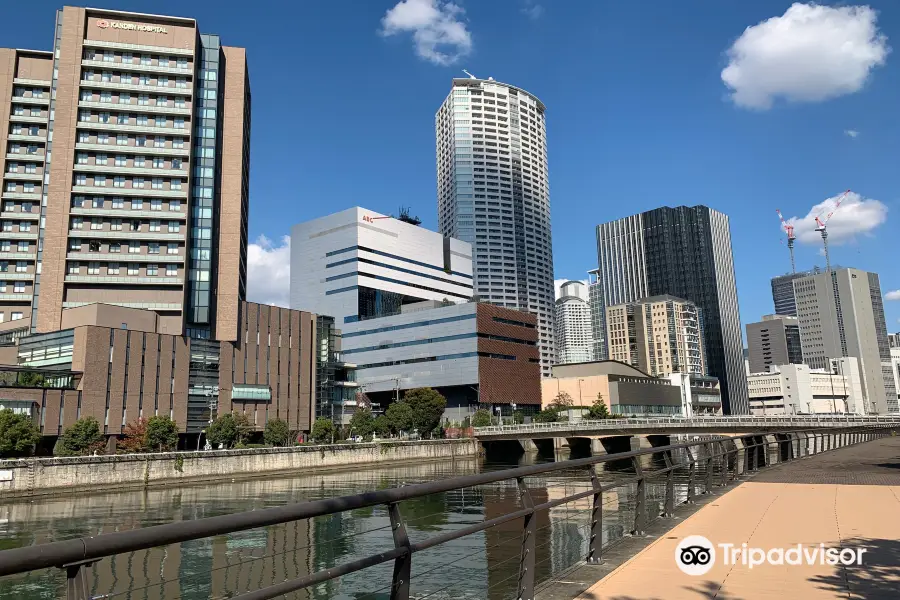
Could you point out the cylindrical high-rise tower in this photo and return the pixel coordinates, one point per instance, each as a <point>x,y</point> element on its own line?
<point>493,192</point>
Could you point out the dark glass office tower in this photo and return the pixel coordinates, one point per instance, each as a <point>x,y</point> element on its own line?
<point>685,252</point>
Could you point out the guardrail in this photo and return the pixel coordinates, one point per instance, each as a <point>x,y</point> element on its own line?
<point>791,422</point>
<point>707,464</point>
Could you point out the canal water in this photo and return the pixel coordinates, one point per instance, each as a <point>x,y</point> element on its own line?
<point>479,566</point>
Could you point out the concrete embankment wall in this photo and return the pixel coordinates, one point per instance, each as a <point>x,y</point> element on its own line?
<point>41,476</point>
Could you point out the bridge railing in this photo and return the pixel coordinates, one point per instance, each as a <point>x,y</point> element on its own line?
<point>706,464</point>
<point>780,421</point>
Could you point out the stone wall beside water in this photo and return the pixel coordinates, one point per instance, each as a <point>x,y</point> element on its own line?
<point>41,476</point>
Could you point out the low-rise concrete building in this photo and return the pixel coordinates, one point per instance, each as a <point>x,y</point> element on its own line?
<point>798,389</point>
<point>472,353</point>
<point>112,364</point>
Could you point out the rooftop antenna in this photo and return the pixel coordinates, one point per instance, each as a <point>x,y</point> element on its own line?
<point>820,227</point>
<point>789,230</point>
<point>469,74</point>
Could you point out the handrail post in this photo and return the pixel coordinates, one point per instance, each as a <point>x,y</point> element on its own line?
<point>640,499</point>
<point>527,559</point>
<point>670,484</point>
<point>76,581</point>
<point>595,545</point>
<point>709,466</point>
<point>693,469</point>
<point>724,463</point>
<point>402,564</point>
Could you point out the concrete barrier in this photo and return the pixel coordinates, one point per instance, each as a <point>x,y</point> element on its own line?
<point>42,476</point>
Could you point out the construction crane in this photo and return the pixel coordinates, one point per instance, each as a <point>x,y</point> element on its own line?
<point>821,223</point>
<point>789,230</point>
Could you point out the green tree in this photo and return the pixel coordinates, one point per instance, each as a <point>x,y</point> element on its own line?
<point>81,437</point>
<point>162,433</point>
<point>598,409</point>
<point>222,431</point>
<point>548,415</point>
<point>428,408</point>
<point>481,418</point>
<point>322,431</point>
<point>518,417</point>
<point>400,416</point>
<point>135,439</point>
<point>18,434</point>
<point>382,426</point>
<point>362,423</point>
<point>277,433</point>
<point>563,400</point>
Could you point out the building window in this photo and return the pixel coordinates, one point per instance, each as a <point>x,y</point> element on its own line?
<point>93,268</point>
<point>156,205</point>
<point>115,225</point>
<point>137,204</point>
<point>112,268</point>
<point>156,183</point>
<point>174,226</point>
<point>118,202</point>
<point>133,269</point>
<point>74,267</point>
<point>138,182</point>
<point>171,248</point>
<point>175,184</point>
<point>21,266</point>
<point>96,224</point>
<point>151,269</point>
<point>99,180</point>
<point>134,247</point>
<point>77,223</point>
<point>15,316</point>
<point>81,179</point>
<point>171,270</point>
<point>154,225</point>
<point>153,248</point>
<point>119,182</point>
<point>22,246</point>
<point>115,247</point>
<point>100,159</point>
<point>122,139</point>
<point>175,205</point>
<point>139,161</point>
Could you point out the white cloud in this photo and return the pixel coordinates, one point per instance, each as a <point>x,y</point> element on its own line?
<point>439,32</point>
<point>557,283</point>
<point>532,10</point>
<point>856,216</point>
<point>895,295</point>
<point>851,133</point>
<point>810,53</point>
<point>269,271</point>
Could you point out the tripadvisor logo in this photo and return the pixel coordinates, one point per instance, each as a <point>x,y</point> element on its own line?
<point>696,555</point>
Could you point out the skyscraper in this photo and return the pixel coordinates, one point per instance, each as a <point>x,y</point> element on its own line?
<point>574,339</point>
<point>598,321</point>
<point>684,252</point>
<point>841,315</point>
<point>783,291</point>
<point>138,204</point>
<point>774,341</point>
<point>493,192</point>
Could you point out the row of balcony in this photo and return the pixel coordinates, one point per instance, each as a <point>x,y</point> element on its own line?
<point>79,168</point>
<point>24,156</point>
<point>151,129</point>
<point>141,47</point>
<point>159,306</point>
<point>126,213</point>
<point>24,176</point>
<point>129,280</point>
<point>41,100</point>
<point>124,257</point>
<point>136,108</point>
<point>186,151</point>
<point>137,67</point>
<point>136,87</point>
<point>20,216</point>
<point>26,119</point>
<point>119,191</point>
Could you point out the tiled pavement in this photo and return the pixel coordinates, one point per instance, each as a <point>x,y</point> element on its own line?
<point>848,498</point>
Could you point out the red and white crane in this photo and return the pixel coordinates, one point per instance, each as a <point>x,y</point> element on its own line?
<point>821,226</point>
<point>789,230</point>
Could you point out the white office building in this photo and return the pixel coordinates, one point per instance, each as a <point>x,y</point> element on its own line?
<point>493,192</point>
<point>794,389</point>
<point>841,315</point>
<point>574,335</point>
<point>358,264</point>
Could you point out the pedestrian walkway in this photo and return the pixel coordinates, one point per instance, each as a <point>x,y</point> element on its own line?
<point>848,498</point>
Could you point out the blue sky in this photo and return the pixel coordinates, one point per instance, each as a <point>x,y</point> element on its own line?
<point>638,114</point>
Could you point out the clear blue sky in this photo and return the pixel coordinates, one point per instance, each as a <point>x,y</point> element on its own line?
<point>638,115</point>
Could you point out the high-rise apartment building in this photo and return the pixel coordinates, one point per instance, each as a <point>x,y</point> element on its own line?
<point>659,335</point>
<point>841,315</point>
<point>125,174</point>
<point>598,317</point>
<point>774,341</point>
<point>894,340</point>
<point>684,252</point>
<point>574,335</point>
<point>783,291</point>
<point>493,192</point>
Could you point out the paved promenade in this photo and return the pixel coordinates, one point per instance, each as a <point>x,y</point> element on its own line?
<point>849,498</point>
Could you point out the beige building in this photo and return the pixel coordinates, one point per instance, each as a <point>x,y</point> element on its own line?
<point>627,390</point>
<point>659,335</point>
<point>138,204</point>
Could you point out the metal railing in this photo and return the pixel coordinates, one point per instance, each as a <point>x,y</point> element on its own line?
<point>708,464</point>
<point>780,421</point>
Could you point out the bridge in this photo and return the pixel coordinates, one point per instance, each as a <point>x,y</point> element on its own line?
<point>695,425</point>
<point>611,503</point>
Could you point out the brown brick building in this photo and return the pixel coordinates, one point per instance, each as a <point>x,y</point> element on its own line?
<point>138,204</point>
<point>114,365</point>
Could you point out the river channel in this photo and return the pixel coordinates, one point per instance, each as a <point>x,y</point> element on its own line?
<point>482,565</point>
